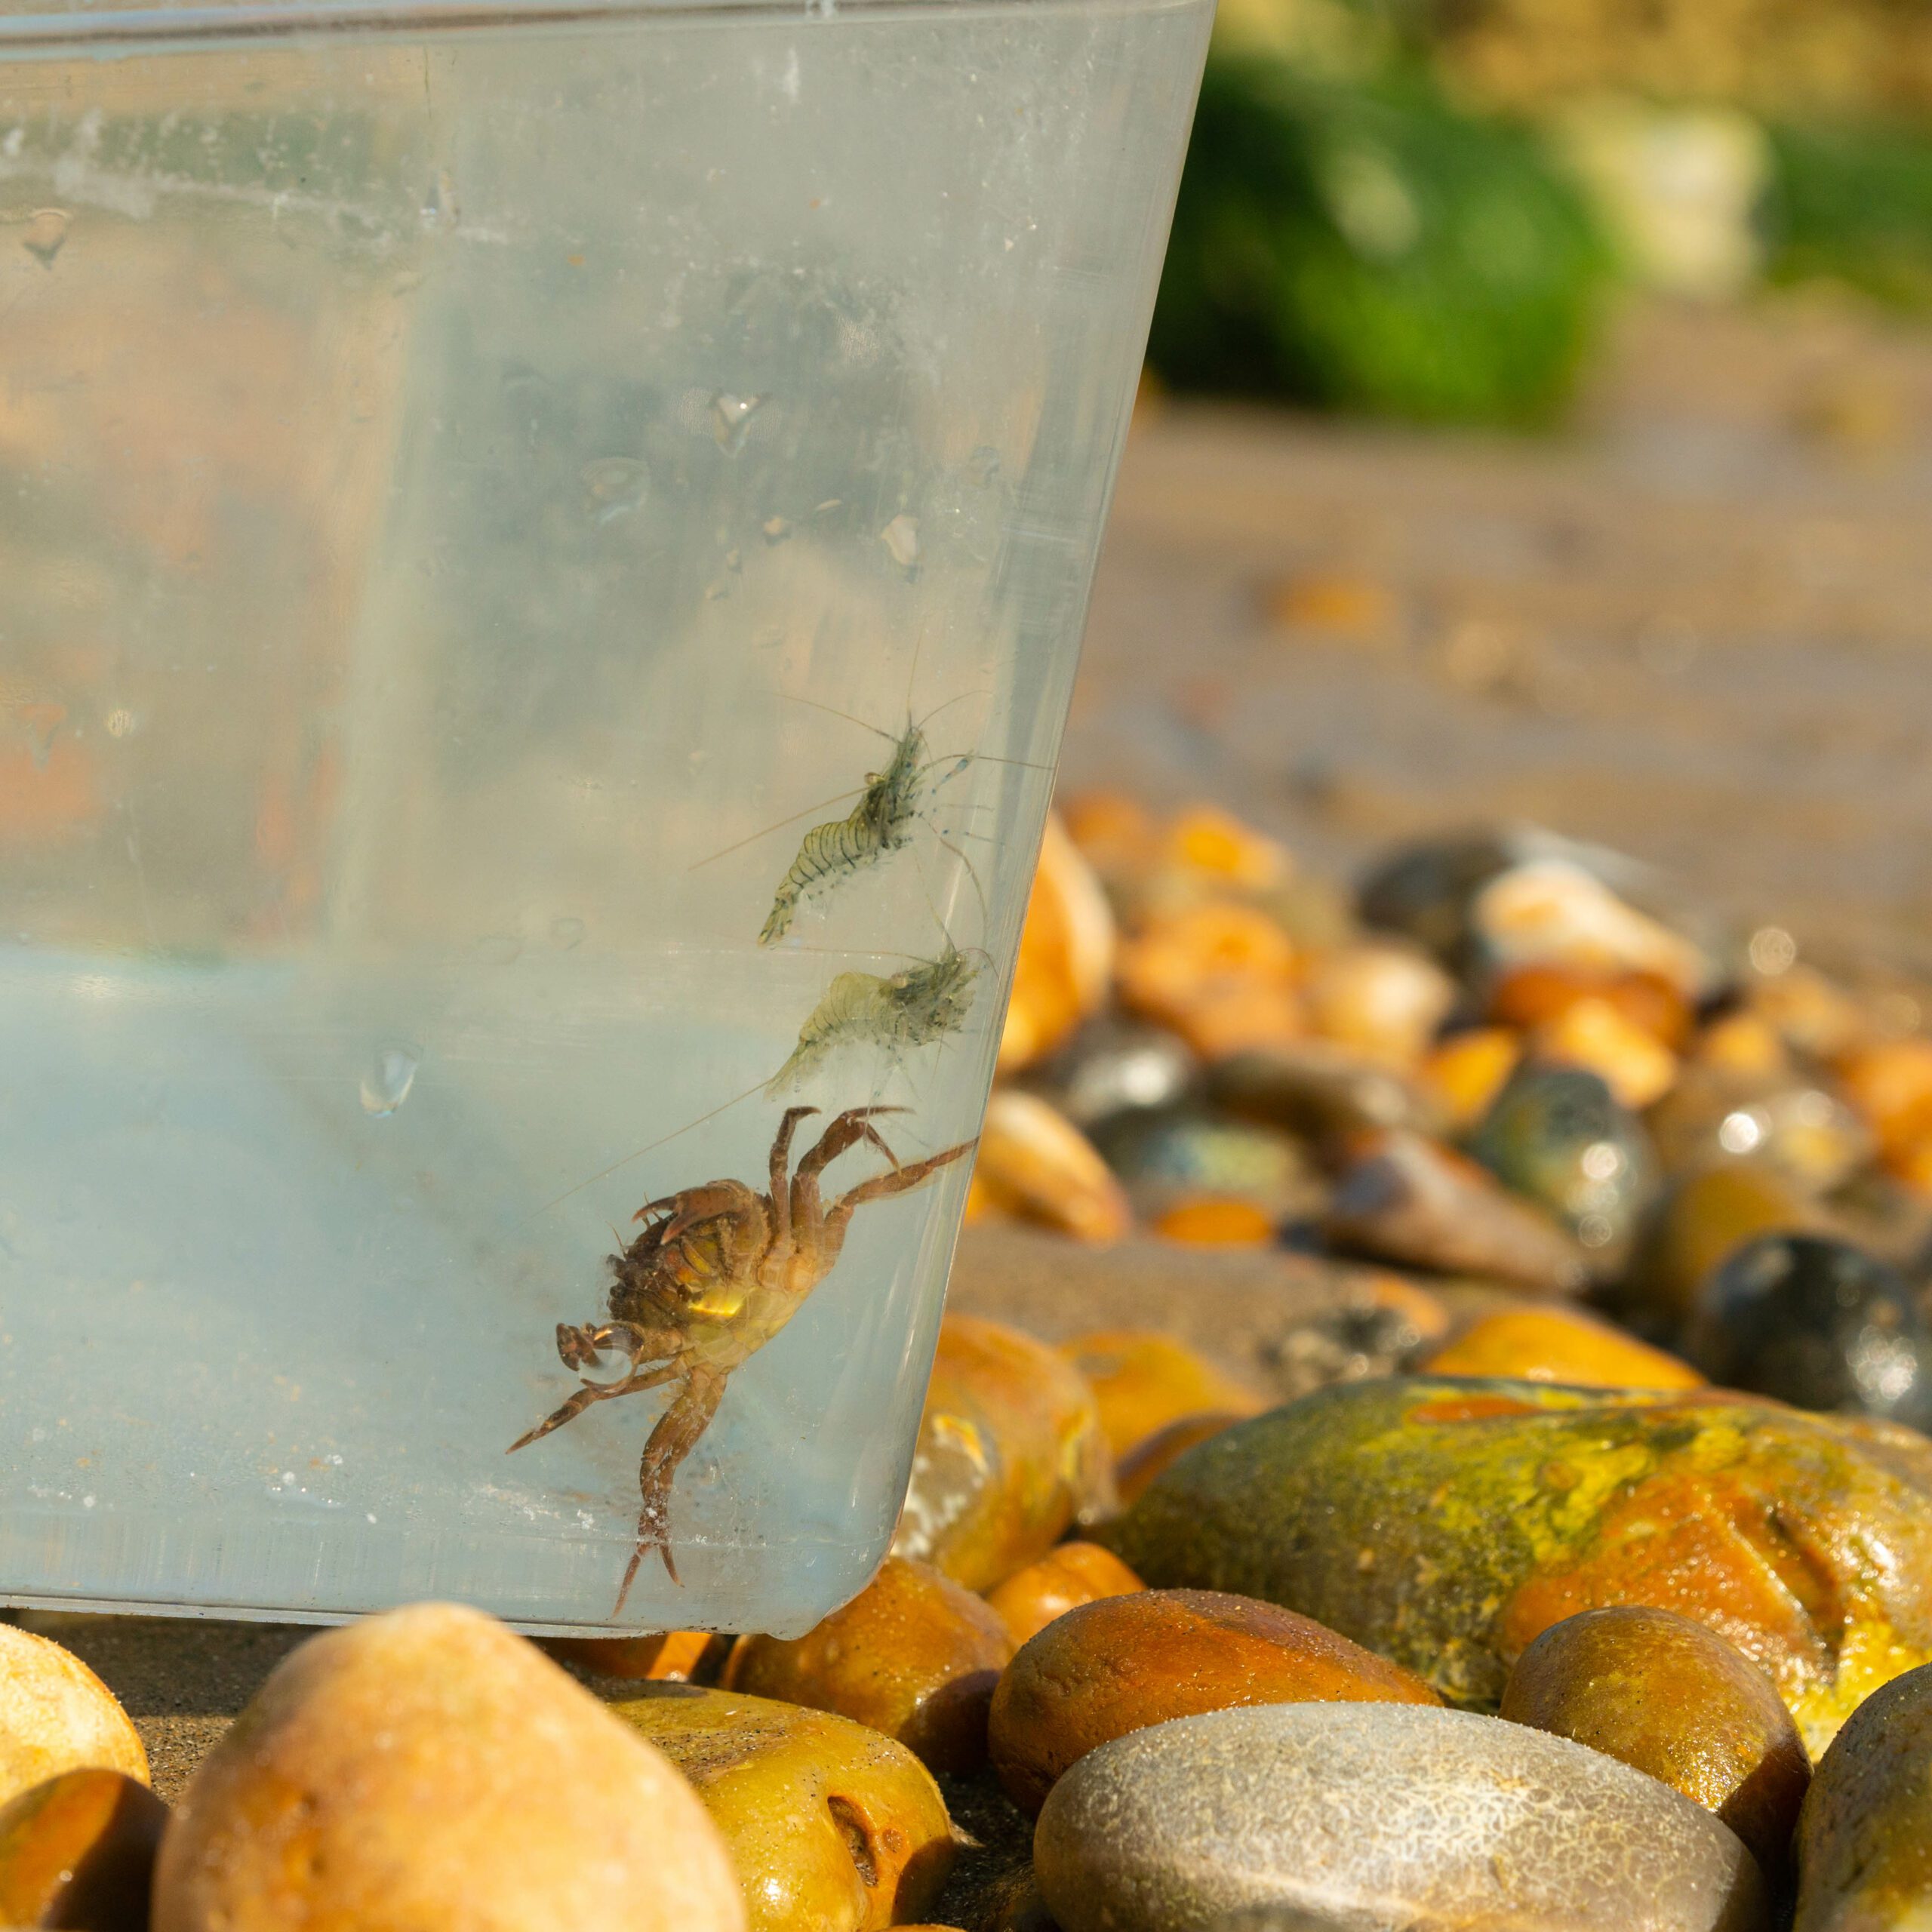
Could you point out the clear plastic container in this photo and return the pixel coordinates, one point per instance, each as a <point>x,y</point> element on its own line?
<point>483,485</point>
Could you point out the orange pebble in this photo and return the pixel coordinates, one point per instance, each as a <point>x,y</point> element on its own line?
<point>1141,1464</point>
<point>674,1656</point>
<point>1635,1066</point>
<point>1222,976</point>
<point>1116,834</point>
<point>1341,606</point>
<point>1384,1000</point>
<point>1467,1072</point>
<point>1034,1161</point>
<point>1551,1345</point>
<point>1209,840</point>
<point>1890,1084</point>
<point>1532,995</point>
<point>1066,953</point>
<point>1075,1572</point>
<point>1143,1380</point>
<point>1742,1043</point>
<point>1214,1222</point>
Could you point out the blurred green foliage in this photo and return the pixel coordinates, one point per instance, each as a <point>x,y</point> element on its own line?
<point>1363,244</point>
<point>1853,204</point>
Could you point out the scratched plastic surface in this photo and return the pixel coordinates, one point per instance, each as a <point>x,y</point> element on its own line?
<point>447,467</point>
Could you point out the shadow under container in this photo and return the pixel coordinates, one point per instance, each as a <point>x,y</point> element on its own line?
<point>484,487</point>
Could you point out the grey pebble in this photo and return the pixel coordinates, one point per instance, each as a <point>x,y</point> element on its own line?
<point>1379,1818</point>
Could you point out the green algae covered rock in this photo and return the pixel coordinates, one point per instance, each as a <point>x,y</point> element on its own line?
<point>1446,1523</point>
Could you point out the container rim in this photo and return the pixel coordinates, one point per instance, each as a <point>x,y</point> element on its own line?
<point>80,28</point>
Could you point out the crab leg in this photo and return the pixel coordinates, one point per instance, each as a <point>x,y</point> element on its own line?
<point>781,1155</point>
<point>591,1392</point>
<point>676,1434</point>
<point>899,1180</point>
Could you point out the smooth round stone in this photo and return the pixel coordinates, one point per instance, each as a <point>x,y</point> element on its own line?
<point>1167,1154</point>
<point>426,1769</point>
<point>1010,1455</point>
<point>55,1715</point>
<point>1668,1696</point>
<point>1558,1136</point>
<point>1115,1066</point>
<point>1127,1662</point>
<point>914,1655</point>
<point>78,1851</point>
<point>1064,1579</point>
<point>1143,1380</point>
<point>1559,1345</point>
<point>833,1826</point>
<point>1367,1815</point>
<point>1407,1199</point>
<point>1816,1322</point>
<point>1864,1843</point>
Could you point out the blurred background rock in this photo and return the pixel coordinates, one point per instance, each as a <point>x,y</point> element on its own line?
<point>1426,209</point>
<point>1539,431</point>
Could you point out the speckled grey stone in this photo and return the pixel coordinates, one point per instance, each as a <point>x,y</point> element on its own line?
<point>1380,1818</point>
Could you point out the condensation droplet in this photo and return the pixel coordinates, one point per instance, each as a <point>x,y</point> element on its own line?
<point>389,1076</point>
<point>46,234</point>
<point>613,486</point>
<point>901,538</point>
<point>567,933</point>
<point>731,419</point>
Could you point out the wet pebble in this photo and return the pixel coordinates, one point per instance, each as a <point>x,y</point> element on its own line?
<point>1425,890</point>
<point>669,1656</point>
<point>1223,975</point>
<point>1321,1091</point>
<point>1670,1698</point>
<point>830,1825</point>
<point>1468,1069</point>
<point>1361,1815</point>
<point>1065,959</point>
<point>1446,1524</point>
<point>1792,1126</point>
<point>1170,1156</point>
<point>1383,1000</point>
<point>1864,1843</point>
<point>1062,1580</point>
<point>1143,1378</point>
<point>914,1655</point>
<point>427,1767</point>
<point>1704,1216</point>
<point>1033,1163</point>
<point>1560,1345</point>
<point>1552,912</point>
<point>1595,1035</point>
<point>1115,1066</point>
<point>1406,1199</point>
<point>78,1851</point>
<point>1010,1455</point>
<point>1558,1136</point>
<point>55,1715</point>
<point>1817,1322</point>
<point>1121,1664</point>
<point>1146,1460</point>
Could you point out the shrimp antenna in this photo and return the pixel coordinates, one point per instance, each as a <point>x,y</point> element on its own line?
<point>978,690</point>
<point>793,697</point>
<point>978,891</point>
<point>752,838</point>
<point>604,1173</point>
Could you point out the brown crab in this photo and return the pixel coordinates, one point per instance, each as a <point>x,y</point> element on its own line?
<point>717,1271</point>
